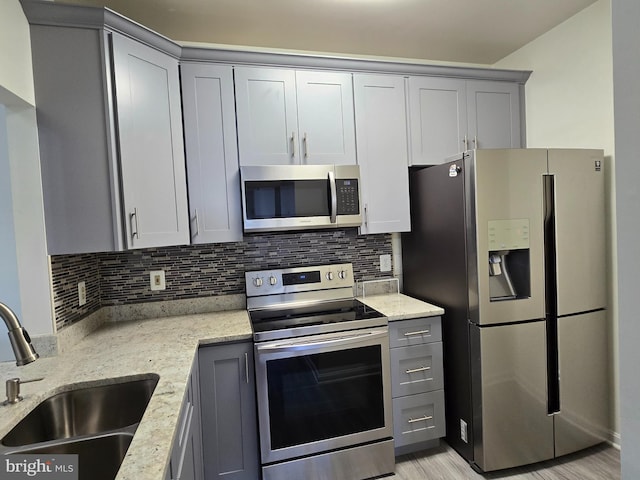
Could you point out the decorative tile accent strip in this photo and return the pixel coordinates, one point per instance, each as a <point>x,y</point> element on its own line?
<point>122,278</point>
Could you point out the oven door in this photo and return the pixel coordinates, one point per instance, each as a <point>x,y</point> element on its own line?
<point>323,392</point>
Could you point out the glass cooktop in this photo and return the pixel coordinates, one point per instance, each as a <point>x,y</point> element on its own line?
<point>321,317</point>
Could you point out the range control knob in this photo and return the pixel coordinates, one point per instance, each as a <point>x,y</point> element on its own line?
<point>272,280</point>
<point>329,275</point>
<point>342,274</point>
<point>257,281</point>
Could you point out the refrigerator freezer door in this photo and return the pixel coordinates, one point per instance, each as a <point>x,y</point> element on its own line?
<point>510,399</point>
<point>584,386</point>
<point>580,229</point>
<point>508,192</point>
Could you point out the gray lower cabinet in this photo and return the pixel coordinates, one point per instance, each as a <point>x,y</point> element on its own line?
<point>228,409</point>
<point>110,131</point>
<point>186,454</point>
<point>417,383</point>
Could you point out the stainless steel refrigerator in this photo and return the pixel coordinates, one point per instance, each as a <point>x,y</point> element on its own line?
<point>512,244</point>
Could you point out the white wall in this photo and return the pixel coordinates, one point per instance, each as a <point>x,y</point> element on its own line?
<point>25,285</point>
<point>626,72</point>
<point>569,103</point>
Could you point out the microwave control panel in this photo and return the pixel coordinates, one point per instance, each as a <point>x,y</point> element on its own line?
<point>348,197</point>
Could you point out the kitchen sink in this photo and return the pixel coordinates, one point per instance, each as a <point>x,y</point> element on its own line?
<point>84,411</point>
<point>99,457</point>
<point>97,423</point>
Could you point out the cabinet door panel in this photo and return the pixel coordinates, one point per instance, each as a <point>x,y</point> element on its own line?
<point>229,425</point>
<point>325,118</point>
<point>416,369</point>
<point>494,114</point>
<point>418,418</point>
<point>438,119</point>
<point>212,155</point>
<point>267,119</point>
<point>381,125</point>
<point>151,145</point>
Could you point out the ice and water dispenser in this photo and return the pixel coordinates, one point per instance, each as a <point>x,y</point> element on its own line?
<point>509,260</point>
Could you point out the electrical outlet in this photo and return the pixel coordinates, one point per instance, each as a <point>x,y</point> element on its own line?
<point>82,293</point>
<point>463,431</point>
<point>385,263</point>
<point>156,279</point>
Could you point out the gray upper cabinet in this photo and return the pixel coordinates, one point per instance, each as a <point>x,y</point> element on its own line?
<point>153,177</point>
<point>449,115</point>
<point>110,131</point>
<point>212,155</point>
<point>381,132</point>
<point>438,118</point>
<point>289,117</point>
<point>493,114</point>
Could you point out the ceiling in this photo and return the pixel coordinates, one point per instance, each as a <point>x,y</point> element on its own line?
<point>469,31</point>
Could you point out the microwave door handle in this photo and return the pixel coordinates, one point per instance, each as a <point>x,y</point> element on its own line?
<point>334,197</point>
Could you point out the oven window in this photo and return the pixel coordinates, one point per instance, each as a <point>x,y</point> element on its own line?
<point>325,395</point>
<point>287,199</point>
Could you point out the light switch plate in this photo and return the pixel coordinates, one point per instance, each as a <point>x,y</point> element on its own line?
<point>385,263</point>
<point>156,279</point>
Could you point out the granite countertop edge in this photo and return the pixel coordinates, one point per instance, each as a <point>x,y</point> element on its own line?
<point>397,306</point>
<point>121,351</point>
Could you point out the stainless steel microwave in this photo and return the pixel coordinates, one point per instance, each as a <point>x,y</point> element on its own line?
<point>300,197</point>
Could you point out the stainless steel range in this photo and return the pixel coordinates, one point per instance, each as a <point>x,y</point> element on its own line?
<point>322,375</point>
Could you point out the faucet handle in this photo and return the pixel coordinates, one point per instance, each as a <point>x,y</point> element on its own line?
<point>13,389</point>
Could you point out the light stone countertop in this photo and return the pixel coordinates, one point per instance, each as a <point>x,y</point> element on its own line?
<point>396,306</point>
<point>165,346</point>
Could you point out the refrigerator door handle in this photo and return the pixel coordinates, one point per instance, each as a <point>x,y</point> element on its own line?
<point>551,285</point>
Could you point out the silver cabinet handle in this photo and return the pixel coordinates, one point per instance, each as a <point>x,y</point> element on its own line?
<point>246,366</point>
<point>415,370</point>
<point>293,144</point>
<point>197,224</point>
<point>419,332</point>
<point>475,141</point>
<point>366,215</point>
<point>424,418</point>
<point>305,143</point>
<point>134,224</point>
<point>465,143</point>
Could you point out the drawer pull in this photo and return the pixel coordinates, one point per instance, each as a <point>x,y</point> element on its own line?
<point>415,370</point>
<point>419,332</point>
<point>424,418</point>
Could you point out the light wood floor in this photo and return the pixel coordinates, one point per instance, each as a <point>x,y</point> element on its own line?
<point>443,463</point>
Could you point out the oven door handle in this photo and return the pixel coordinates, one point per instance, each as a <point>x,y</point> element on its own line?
<point>294,344</point>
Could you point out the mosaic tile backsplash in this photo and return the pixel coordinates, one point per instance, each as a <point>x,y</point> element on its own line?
<point>204,270</point>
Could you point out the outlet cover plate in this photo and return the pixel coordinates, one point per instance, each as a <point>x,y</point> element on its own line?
<point>385,263</point>
<point>156,280</point>
<point>82,293</point>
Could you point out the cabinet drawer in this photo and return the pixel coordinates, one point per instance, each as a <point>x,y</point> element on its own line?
<point>418,418</point>
<point>416,369</point>
<point>414,331</point>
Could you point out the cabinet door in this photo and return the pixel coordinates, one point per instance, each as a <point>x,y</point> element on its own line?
<point>325,118</point>
<point>151,146</point>
<point>494,114</point>
<point>267,118</point>
<point>381,126</point>
<point>229,425</point>
<point>438,119</point>
<point>212,155</point>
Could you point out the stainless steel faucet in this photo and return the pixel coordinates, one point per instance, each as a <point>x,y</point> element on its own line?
<point>18,336</point>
